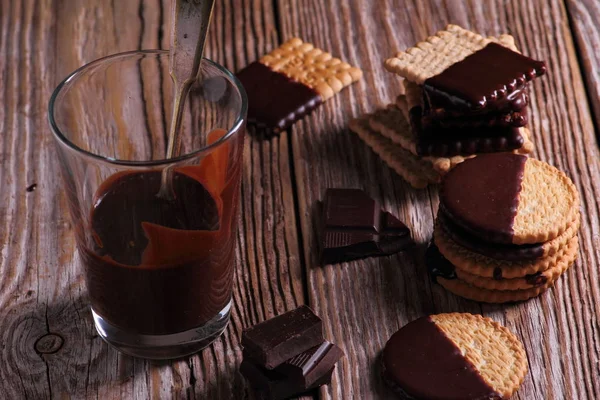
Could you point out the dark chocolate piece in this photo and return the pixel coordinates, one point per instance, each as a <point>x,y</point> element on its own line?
<point>275,102</point>
<point>437,264</point>
<point>507,252</point>
<point>355,227</point>
<point>482,79</point>
<point>311,365</point>
<point>442,142</point>
<point>481,195</point>
<point>277,386</point>
<point>424,363</point>
<point>278,339</point>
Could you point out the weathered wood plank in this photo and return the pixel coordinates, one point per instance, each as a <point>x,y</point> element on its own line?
<point>41,285</point>
<point>364,302</point>
<point>584,16</point>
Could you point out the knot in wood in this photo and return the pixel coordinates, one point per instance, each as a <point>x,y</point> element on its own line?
<point>49,343</point>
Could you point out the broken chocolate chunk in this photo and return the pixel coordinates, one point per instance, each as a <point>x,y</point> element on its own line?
<point>274,341</point>
<point>310,366</point>
<point>355,227</point>
<point>275,385</point>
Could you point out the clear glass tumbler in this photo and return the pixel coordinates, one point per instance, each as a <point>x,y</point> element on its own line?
<point>158,271</point>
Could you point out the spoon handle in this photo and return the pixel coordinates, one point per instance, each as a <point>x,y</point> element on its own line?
<point>191,19</point>
<point>190,22</point>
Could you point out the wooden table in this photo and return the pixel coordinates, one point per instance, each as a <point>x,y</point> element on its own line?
<point>48,345</point>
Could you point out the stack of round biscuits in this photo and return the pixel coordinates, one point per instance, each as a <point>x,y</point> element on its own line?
<point>506,229</point>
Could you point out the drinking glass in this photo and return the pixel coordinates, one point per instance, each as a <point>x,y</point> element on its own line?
<point>158,270</point>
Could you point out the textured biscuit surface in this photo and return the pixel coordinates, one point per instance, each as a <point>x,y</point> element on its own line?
<point>564,259</point>
<point>313,67</point>
<point>415,171</point>
<point>482,266</point>
<point>491,348</point>
<point>438,52</point>
<point>548,203</point>
<point>464,289</point>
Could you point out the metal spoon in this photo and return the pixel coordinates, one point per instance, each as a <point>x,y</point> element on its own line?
<point>189,23</point>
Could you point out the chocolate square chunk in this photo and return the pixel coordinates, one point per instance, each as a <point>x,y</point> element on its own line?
<point>278,339</point>
<point>310,366</point>
<point>277,386</point>
<point>275,101</point>
<point>355,227</point>
<point>482,79</point>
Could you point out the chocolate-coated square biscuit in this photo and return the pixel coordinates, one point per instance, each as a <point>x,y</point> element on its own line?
<point>290,82</point>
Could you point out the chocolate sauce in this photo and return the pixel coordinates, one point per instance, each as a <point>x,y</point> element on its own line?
<point>156,266</point>
<point>507,252</point>
<point>275,101</point>
<point>426,364</point>
<point>483,78</point>
<point>481,195</point>
<point>437,264</point>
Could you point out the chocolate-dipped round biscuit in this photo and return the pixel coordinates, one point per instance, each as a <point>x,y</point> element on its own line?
<point>508,198</point>
<point>454,356</point>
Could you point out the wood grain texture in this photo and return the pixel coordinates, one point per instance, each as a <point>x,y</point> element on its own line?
<point>584,16</point>
<point>364,302</point>
<point>49,346</point>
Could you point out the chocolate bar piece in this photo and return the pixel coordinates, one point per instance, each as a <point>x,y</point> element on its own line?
<point>275,101</point>
<point>278,339</point>
<point>442,142</point>
<point>482,79</point>
<point>355,227</point>
<point>275,385</point>
<point>308,367</point>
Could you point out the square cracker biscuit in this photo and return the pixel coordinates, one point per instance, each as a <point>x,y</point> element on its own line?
<point>392,122</point>
<point>313,67</point>
<point>414,170</point>
<point>438,52</point>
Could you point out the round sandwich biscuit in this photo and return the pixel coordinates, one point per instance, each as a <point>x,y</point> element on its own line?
<point>470,292</point>
<point>454,356</point>
<point>564,260</point>
<point>507,252</point>
<point>509,198</point>
<point>486,267</point>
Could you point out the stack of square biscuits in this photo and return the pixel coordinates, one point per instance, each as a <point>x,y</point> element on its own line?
<point>453,108</point>
<point>506,228</point>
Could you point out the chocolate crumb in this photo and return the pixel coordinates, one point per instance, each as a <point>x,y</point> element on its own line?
<point>497,273</point>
